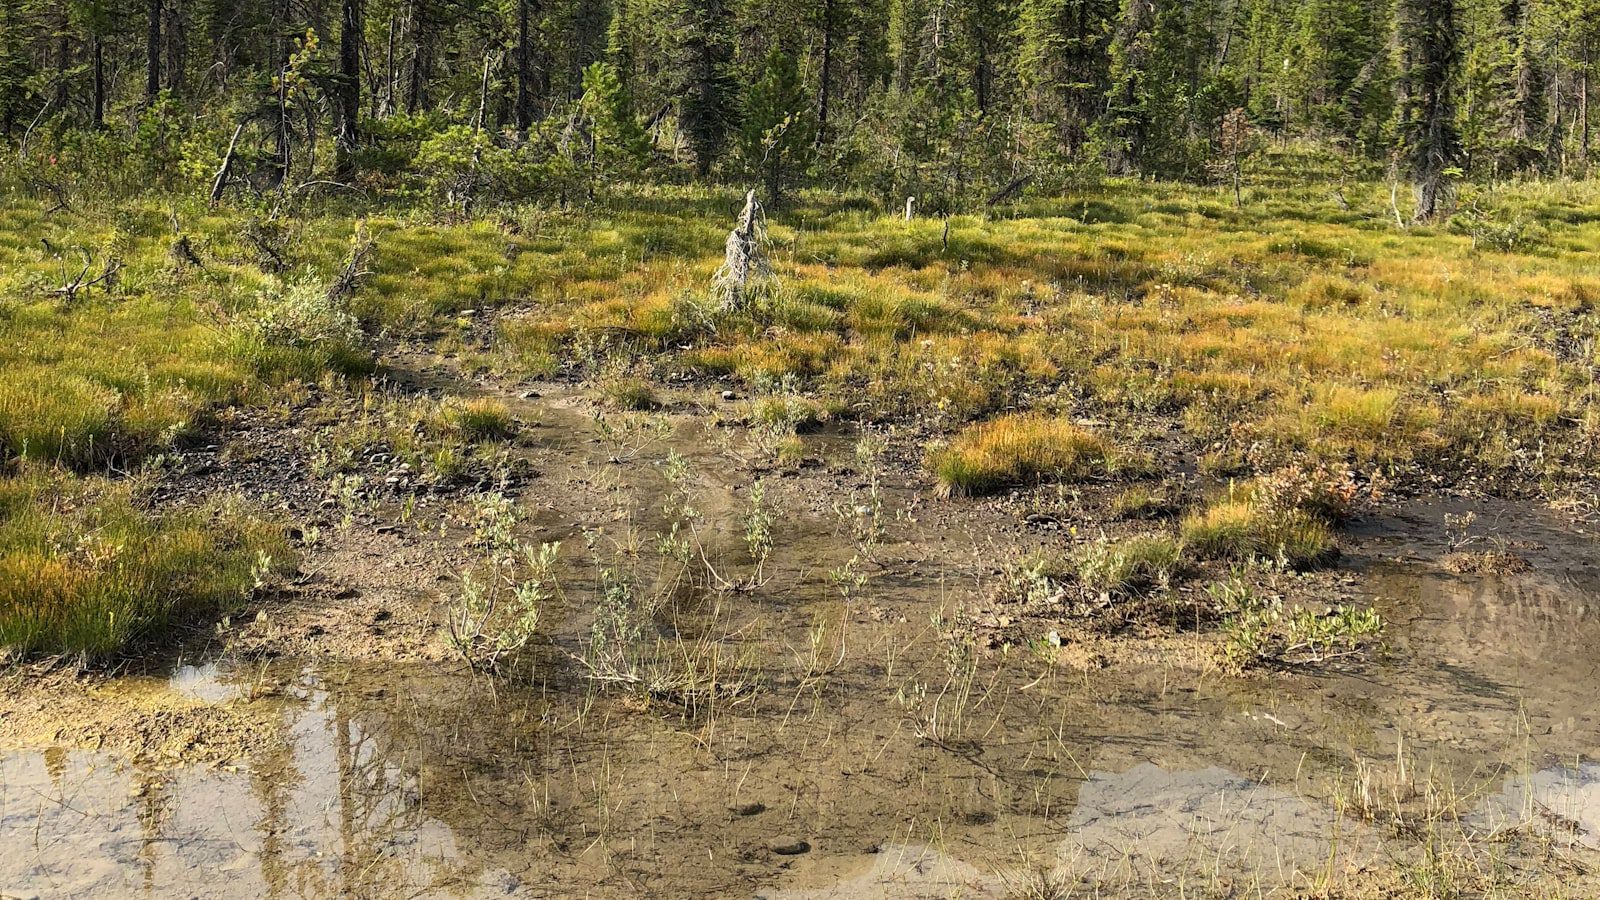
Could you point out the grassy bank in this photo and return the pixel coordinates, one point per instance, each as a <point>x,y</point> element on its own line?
<point>1094,336</point>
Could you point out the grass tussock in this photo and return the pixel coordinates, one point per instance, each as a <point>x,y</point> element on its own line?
<point>84,570</point>
<point>1017,450</point>
<point>1131,565</point>
<point>475,419</point>
<point>1241,530</point>
<point>1286,516</point>
<point>629,394</point>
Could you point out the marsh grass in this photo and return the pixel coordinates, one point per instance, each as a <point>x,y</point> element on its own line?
<point>1292,327</point>
<point>1019,450</point>
<point>629,394</point>
<point>1131,565</point>
<point>476,419</point>
<point>1243,530</point>
<point>85,571</point>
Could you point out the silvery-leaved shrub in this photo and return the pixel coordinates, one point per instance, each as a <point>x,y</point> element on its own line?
<point>303,313</point>
<point>297,328</point>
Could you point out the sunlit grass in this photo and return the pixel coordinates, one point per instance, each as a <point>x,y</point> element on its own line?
<point>85,571</point>
<point>1241,530</point>
<point>1017,450</point>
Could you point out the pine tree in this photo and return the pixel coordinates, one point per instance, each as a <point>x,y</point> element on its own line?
<point>347,89</point>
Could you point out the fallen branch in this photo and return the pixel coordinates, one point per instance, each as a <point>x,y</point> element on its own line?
<point>1000,196</point>
<point>355,266</point>
<point>69,291</point>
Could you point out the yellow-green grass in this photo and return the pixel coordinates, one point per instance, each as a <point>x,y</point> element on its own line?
<point>1292,326</point>
<point>1241,530</point>
<point>85,570</point>
<point>135,362</point>
<point>1018,450</point>
<point>475,419</point>
<point>628,393</point>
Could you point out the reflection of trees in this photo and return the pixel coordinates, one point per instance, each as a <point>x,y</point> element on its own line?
<point>272,779</point>
<point>397,777</point>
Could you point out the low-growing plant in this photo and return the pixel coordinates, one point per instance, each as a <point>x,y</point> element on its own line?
<point>1131,565</point>
<point>476,419</point>
<point>1035,579</point>
<point>1140,502</point>
<point>1327,494</point>
<point>629,394</point>
<point>1264,631</point>
<point>1016,450</point>
<point>492,618</point>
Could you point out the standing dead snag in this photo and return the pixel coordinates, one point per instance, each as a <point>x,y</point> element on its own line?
<point>745,268</point>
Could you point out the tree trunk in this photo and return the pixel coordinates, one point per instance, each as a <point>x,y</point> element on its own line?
<point>351,26</point>
<point>825,76</point>
<point>98,117</point>
<point>421,59</point>
<point>63,60</point>
<point>152,62</point>
<point>177,47</point>
<point>1583,108</point>
<point>524,111</point>
<point>1429,34</point>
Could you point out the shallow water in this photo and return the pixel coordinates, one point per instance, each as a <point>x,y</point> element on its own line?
<point>399,780</point>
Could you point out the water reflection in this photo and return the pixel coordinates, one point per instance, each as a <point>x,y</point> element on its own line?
<point>412,781</point>
<point>1561,801</point>
<point>323,812</point>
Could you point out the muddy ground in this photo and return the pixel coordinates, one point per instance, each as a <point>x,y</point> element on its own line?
<point>927,735</point>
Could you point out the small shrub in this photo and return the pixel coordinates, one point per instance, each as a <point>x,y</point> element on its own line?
<point>300,329</point>
<point>1015,450</point>
<point>1264,632</point>
<point>1324,493</point>
<point>304,313</point>
<point>1035,579</point>
<point>788,414</point>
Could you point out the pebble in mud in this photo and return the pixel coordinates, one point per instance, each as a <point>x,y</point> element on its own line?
<point>747,809</point>
<point>788,846</point>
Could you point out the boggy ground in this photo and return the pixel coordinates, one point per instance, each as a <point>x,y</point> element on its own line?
<point>885,711</point>
<point>1138,545</point>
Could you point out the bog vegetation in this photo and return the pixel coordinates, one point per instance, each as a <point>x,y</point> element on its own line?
<point>1052,241</point>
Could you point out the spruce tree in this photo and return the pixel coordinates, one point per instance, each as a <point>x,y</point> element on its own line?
<point>1124,127</point>
<point>697,58</point>
<point>1432,143</point>
<point>1063,64</point>
<point>775,135</point>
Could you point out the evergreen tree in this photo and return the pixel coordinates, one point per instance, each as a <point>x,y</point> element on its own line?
<point>1123,129</point>
<point>617,146</point>
<point>775,136</point>
<point>1063,65</point>
<point>1431,56</point>
<point>697,60</point>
